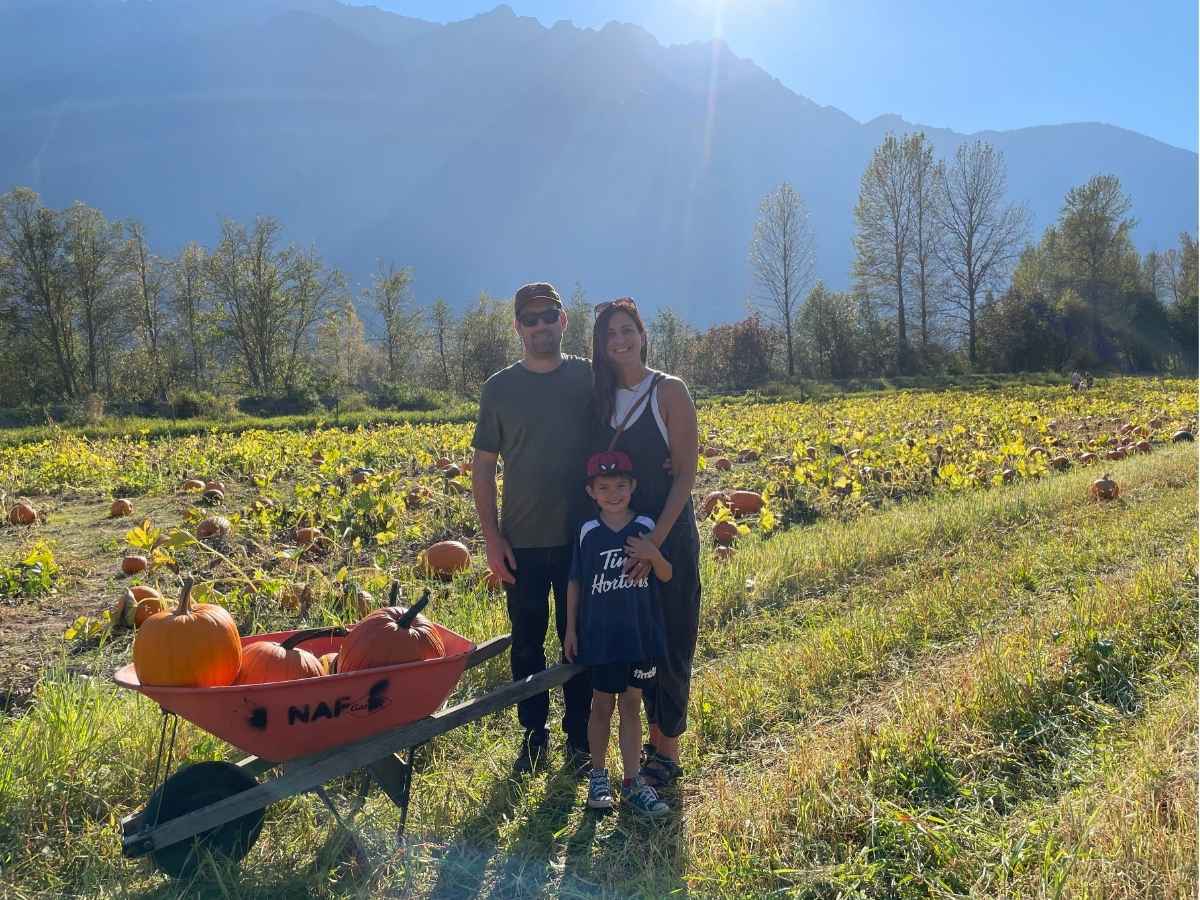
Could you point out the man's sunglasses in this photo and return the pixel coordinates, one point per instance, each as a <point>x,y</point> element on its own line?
<point>546,317</point>
<point>620,303</point>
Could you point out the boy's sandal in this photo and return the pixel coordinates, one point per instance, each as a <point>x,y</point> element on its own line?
<point>660,771</point>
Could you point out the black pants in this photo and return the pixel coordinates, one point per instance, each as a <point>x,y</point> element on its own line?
<point>666,700</point>
<point>538,571</point>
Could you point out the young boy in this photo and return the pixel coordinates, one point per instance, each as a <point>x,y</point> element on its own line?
<point>614,626</point>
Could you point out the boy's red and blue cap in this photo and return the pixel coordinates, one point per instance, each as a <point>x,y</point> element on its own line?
<point>610,462</point>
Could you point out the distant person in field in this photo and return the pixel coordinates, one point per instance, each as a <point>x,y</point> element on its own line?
<point>1076,380</point>
<point>535,415</point>
<point>650,416</point>
<point>615,626</point>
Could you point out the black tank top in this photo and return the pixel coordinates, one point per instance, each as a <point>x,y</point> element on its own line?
<point>646,447</point>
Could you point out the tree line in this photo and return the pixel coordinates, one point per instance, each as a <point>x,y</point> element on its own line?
<point>944,279</point>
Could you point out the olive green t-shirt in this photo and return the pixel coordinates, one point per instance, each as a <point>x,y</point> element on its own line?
<point>540,424</point>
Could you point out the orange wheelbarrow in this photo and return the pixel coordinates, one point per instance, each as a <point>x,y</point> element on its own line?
<point>314,730</point>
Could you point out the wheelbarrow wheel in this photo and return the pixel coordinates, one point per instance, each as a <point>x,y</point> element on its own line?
<point>190,789</point>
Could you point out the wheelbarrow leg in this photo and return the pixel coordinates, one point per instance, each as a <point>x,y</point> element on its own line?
<point>348,835</point>
<point>395,777</point>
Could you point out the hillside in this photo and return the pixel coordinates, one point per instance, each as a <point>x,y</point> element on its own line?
<point>483,152</point>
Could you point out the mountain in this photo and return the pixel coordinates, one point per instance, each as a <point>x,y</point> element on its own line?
<point>484,153</point>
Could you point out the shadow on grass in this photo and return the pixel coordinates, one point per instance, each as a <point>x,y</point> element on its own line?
<point>635,856</point>
<point>531,860</point>
<point>464,865</point>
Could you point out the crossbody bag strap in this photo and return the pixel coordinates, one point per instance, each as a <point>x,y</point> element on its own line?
<point>637,405</point>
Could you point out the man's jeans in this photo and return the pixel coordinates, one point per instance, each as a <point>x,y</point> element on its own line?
<point>539,570</point>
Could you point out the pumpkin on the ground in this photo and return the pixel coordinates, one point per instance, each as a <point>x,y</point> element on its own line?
<point>134,563</point>
<point>1087,458</point>
<point>22,514</point>
<point>725,533</point>
<point>1182,436</point>
<point>1115,454</point>
<point>1060,463</point>
<point>192,484</point>
<point>215,486</point>
<point>147,607</point>
<point>722,464</point>
<point>266,661</point>
<point>120,507</point>
<point>746,503</point>
<point>309,535</point>
<point>389,636</point>
<point>213,526</point>
<point>709,504</point>
<point>194,645</point>
<point>1104,488</point>
<point>445,558</point>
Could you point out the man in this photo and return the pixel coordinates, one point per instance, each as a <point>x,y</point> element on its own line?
<point>536,416</point>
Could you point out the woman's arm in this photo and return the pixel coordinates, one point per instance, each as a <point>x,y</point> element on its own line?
<point>679,414</point>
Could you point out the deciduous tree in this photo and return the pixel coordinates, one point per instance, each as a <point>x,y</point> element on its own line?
<point>782,261</point>
<point>982,231</point>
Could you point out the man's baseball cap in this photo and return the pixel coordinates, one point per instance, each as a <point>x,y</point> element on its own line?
<point>611,462</point>
<point>538,290</point>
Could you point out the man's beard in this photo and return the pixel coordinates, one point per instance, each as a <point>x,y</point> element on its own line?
<point>545,343</point>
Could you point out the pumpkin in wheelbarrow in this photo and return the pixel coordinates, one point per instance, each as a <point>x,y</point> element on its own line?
<point>267,661</point>
<point>192,646</point>
<point>389,636</point>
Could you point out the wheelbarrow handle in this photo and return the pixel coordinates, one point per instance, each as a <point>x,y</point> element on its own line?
<point>311,634</point>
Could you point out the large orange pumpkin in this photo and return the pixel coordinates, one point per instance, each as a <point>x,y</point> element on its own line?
<point>192,646</point>
<point>389,636</point>
<point>267,661</point>
<point>445,558</point>
<point>120,507</point>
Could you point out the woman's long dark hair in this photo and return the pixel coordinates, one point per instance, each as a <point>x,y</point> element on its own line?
<point>604,376</point>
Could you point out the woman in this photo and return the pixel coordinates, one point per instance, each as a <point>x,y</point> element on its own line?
<point>651,417</point>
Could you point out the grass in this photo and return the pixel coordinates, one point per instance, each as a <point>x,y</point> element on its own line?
<point>988,694</point>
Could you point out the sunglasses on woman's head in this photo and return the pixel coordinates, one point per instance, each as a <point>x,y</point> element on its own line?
<point>546,317</point>
<point>620,303</point>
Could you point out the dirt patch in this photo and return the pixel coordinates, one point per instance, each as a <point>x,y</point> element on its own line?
<point>88,546</point>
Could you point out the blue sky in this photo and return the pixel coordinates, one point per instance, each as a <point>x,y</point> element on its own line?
<point>964,65</point>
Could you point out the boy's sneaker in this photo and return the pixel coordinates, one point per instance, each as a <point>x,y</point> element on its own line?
<point>534,747</point>
<point>599,791</point>
<point>643,799</point>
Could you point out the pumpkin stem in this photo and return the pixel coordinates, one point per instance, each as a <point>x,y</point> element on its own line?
<point>310,634</point>
<point>410,614</point>
<point>185,596</point>
<point>394,594</point>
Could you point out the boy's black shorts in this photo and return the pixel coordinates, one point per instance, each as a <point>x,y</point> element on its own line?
<point>614,678</point>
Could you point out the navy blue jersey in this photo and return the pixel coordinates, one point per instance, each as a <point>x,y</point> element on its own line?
<point>619,619</point>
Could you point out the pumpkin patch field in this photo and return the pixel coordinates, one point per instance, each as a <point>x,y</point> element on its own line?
<point>947,648</point>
